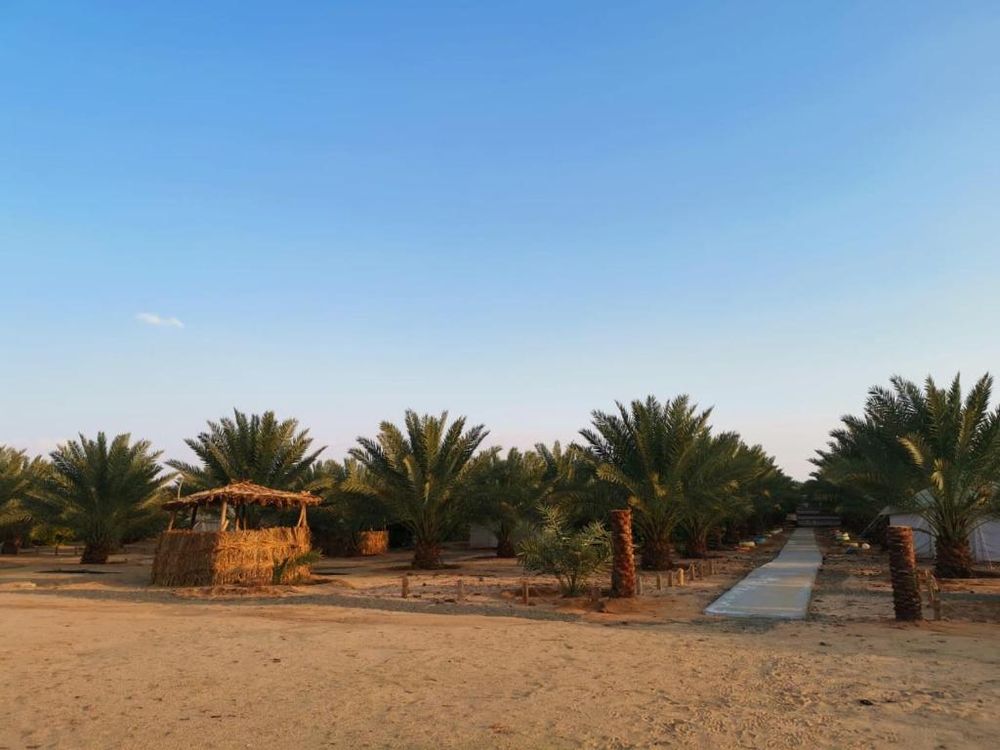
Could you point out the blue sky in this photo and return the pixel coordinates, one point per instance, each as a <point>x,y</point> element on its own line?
<point>517,211</point>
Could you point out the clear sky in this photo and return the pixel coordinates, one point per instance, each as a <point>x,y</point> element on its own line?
<point>518,211</point>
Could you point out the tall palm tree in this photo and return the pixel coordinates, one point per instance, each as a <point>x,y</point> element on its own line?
<point>18,474</point>
<point>722,478</point>
<point>338,521</point>
<point>648,449</point>
<point>928,450</point>
<point>420,473</point>
<point>103,491</point>
<point>257,448</point>
<point>506,490</point>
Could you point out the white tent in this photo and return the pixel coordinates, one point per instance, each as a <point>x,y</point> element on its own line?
<point>984,541</point>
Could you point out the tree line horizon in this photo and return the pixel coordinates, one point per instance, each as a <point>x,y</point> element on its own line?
<point>924,449</point>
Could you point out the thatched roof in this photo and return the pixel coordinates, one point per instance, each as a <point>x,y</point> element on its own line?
<point>243,493</point>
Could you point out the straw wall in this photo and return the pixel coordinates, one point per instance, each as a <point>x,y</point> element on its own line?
<point>217,558</point>
<point>373,542</point>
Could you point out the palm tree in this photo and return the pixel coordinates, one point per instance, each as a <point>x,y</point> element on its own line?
<point>101,491</point>
<point>928,450</point>
<point>337,523</point>
<point>18,475</point>
<point>722,477</point>
<point>257,448</point>
<point>648,449</point>
<point>506,491</point>
<point>420,475</point>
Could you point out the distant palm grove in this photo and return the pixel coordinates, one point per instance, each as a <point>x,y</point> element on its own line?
<point>931,450</point>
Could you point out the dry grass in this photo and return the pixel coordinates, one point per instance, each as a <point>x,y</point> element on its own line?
<point>241,558</point>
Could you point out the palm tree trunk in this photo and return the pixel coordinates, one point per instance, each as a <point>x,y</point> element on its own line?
<point>505,545</point>
<point>623,570</point>
<point>95,553</point>
<point>657,552</point>
<point>697,545</point>
<point>426,555</point>
<point>10,546</point>
<point>903,572</point>
<point>953,558</point>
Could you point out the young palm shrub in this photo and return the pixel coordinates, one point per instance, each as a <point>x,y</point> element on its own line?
<point>573,556</point>
<point>648,450</point>
<point>18,475</point>
<point>927,450</point>
<point>421,475</point>
<point>103,491</point>
<point>257,448</point>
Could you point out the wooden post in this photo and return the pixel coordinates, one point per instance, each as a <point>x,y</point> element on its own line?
<point>595,593</point>
<point>933,593</point>
<point>903,572</point>
<point>302,516</point>
<point>659,582</point>
<point>224,515</point>
<point>170,525</point>
<point>406,585</point>
<point>623,583</point>
<point>680,576</point>
<point>461,590</point>
<point>194,515</point>
<point>638,585</point>
<point>524,591</point>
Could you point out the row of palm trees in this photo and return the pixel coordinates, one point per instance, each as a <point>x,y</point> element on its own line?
<point>931,451</point>
<point>431,476</point>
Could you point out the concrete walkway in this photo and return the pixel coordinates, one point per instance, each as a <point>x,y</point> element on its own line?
<point>779,589</point>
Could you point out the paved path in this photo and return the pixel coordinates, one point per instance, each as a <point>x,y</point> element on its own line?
<point>779,589</point>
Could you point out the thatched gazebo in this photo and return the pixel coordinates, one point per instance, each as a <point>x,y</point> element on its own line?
<point>234,554</point>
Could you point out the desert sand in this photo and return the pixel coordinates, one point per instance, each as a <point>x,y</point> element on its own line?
<point>93,663</point>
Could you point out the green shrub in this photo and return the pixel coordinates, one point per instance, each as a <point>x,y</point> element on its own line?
<point>573,556</point>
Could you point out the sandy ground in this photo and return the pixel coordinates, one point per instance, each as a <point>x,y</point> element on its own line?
<point>94,663</point>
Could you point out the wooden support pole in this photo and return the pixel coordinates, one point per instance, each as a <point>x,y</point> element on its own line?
<point>524,591</point>
<point>224,515</point>
<point>302,516</point>
<point>680,576</point>
<point>406,585</point>
<point>638,585</point>
<point>659,582</point>
<point>461,590</point>
<point>194,515</point>
<point>170,525</point>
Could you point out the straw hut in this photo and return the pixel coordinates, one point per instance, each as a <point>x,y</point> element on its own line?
<point>233,554</point>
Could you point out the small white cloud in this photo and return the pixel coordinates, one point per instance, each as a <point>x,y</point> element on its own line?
<point>153,319</point>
